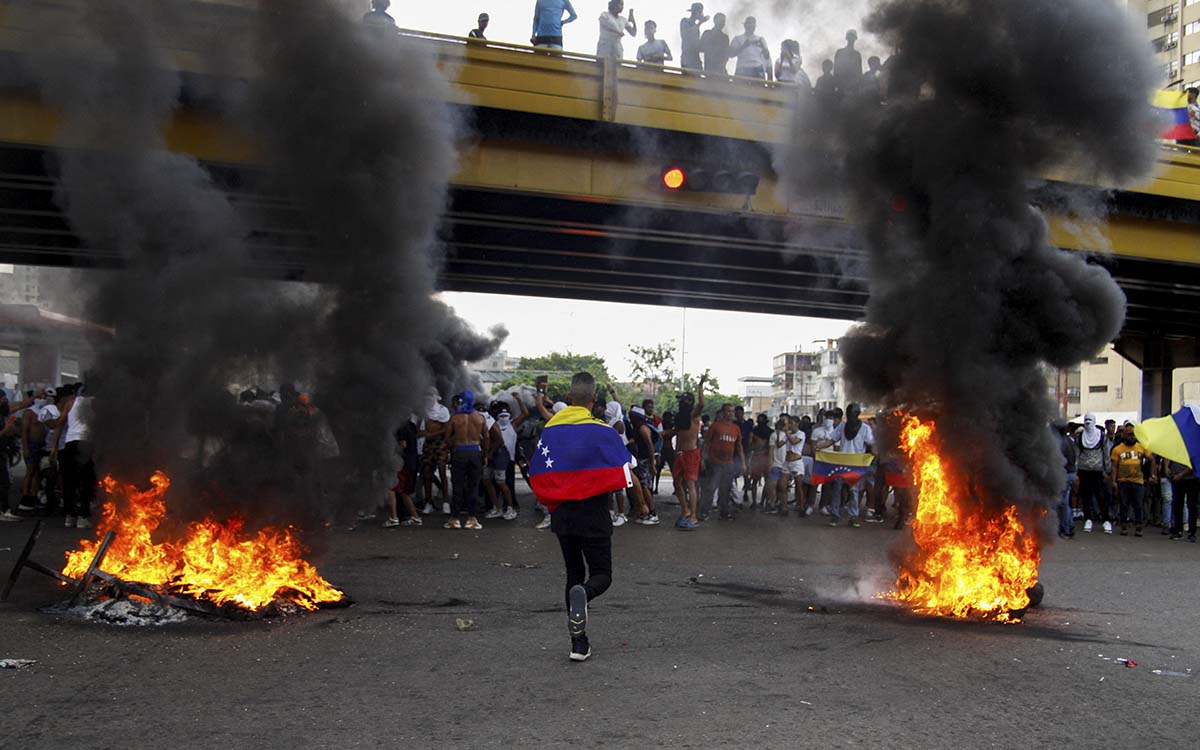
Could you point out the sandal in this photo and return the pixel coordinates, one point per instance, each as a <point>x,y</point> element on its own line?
<point>452,524</point>
<point>473,525</point>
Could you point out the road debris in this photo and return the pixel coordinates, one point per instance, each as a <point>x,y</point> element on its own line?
<point>16,663</point>
<point>464,625</point>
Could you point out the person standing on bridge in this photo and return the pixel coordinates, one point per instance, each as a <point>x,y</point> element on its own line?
<point>577,464</point>
<point>689,38</point>
<point>848,67</point>
<point>482,24</point>
<point>548,22</point>
<point>750,49</point>
<point>613,27</point>
<point>654,50</point>
<point>378,20</point>
<point>714,43</point>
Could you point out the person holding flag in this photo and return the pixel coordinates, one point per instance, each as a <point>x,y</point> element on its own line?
<point>1177,439</point>
<point>851,462</point>
<point>576,464</point>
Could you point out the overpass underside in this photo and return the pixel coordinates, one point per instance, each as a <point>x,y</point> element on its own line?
<point>579,247</point>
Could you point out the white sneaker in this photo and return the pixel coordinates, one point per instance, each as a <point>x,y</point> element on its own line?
<point>1087,526</point>
<point>808,511</point>
<point>391,523</point>
<point>544,523</point>
<point>510,515</point>
<point>1107,527</point>
<point>825,510</point>
<point>69,522</point>
<point>445,509</point>
<point>83,523</point>
<point>428,509</point>
<point>493,513</point>
<point>8,515</point>
<point>620,520</point>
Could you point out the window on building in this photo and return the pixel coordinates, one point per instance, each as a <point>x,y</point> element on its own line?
<point>1191,28</point>
<point>1097,389</point>
<point>1191,58</point>
<point>1099,361</point>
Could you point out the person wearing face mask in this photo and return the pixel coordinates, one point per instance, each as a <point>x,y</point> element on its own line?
<point>1093,464</point>
<point>34,431</point>
<point>1129,460</point>
<point>852,436</point>
<point>822,439</point>
<point>505,452</point>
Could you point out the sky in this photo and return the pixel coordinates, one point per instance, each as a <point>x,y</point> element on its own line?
<point>818,25</point>
<point>731,345</point>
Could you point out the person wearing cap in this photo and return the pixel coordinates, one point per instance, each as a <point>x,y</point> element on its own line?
<point>689,35</point>
<point>548,22</point>
<point>470,447</point>
<point>477,32</point>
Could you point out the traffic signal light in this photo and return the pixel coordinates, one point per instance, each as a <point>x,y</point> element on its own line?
<point>705,178</point>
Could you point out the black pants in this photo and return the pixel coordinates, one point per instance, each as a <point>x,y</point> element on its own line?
<point>1132,495</point>
<point>1189,490</point>
<point>1093,496</point>
<point>596,552</point>
<point>79,478</point>
<point>466,470</point>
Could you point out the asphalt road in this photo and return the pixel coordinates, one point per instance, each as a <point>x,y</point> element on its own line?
<point>757,634</point>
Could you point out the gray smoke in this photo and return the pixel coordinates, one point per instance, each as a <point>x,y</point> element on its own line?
<point>357,131</point>
<point>967,297</point>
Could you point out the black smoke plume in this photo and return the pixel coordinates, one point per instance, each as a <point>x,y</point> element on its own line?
<point>357,130</point>
<point>968,299</point>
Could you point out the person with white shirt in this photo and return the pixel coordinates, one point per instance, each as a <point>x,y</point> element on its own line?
<point>776,488</point>
<point>795,462</point>
<point>613,27</point>
<point>851,436</point>
<point>73,431</point>
<point>753,56</point>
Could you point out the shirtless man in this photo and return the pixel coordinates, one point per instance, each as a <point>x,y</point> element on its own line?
<point>470,446</point>
<point>434,453</point>
<point>686,470</point>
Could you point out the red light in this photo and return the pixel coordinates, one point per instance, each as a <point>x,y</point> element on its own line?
<point>674,178</point>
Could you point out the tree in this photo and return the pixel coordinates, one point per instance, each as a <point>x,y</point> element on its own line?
<point>668,395</point>
<point>568,363</point>
<point>653,364</point>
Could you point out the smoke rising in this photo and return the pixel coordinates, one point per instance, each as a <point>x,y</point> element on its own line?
<point>968,299</point>
<point>357,132</point>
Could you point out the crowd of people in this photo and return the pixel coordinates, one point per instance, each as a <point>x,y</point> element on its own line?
<point>704,51</point>
<point>47,433</point>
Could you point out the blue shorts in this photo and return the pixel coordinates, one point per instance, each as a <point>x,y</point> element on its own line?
<point>775,474</point>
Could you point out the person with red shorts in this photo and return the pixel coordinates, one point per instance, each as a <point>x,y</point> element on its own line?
<point>686,470</point>
<point>406,479</point>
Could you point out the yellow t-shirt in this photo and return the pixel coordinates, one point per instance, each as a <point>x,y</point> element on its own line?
<point>1128,460</point>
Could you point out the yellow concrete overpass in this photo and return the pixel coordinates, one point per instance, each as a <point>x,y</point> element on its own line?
<point>558,192</point>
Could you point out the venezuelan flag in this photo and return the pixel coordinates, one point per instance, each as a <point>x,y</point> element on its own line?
<point>897,474</point>
<point>831,465</point>
<point>1176,437</point>
<point>1174,105</point>
<point>577,457</point>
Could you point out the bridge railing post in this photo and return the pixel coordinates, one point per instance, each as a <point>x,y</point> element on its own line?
<point>608,92</point>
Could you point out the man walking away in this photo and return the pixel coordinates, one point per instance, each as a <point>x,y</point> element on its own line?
<point>548,22</point>
<point>577,463</point>
<point>689,35</point>
<point>1129,459</point>
<point>714,43</point>
<point>470,449</point>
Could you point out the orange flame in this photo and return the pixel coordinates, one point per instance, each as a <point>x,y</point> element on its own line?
<point>970,561</point>
<point>213,561</point>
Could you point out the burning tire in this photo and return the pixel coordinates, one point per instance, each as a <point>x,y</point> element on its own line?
<point>1036,593</point>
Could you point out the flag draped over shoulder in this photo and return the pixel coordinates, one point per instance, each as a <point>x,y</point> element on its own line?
<point>1176,437</point>
<point>1174,105</point>
<point>577,457</point>
<point>831,465</point>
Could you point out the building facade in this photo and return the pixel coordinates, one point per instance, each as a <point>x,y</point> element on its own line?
<point>794,383</point>
<point>758,395</point>
<point>1173,27</point>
